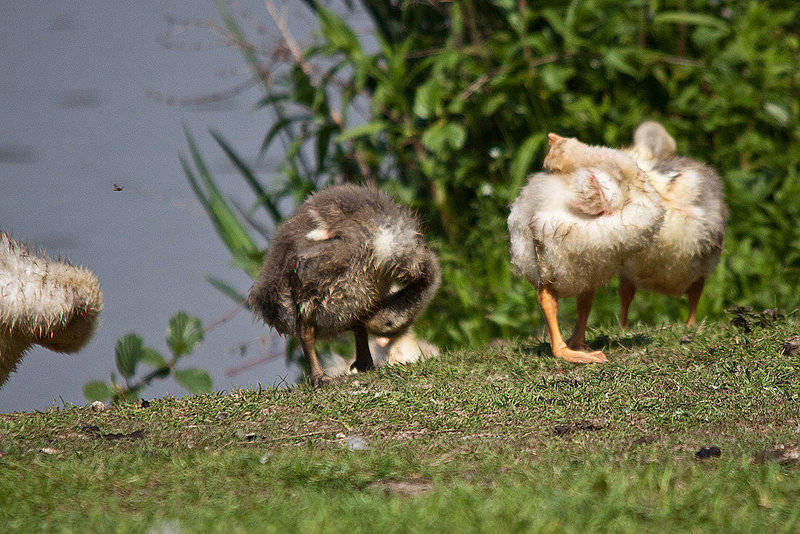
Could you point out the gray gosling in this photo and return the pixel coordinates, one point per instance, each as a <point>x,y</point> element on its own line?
<point>350,258</point>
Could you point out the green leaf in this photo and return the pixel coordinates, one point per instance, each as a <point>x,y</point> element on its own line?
<point>272,99</point>
<point>128,353</point>
<point>195,185</point>
<point>323,135</point>
<point>338,33</point>
<point>428,99</point>
<point>153,358</point>
<point>228,227</point>
<point>521,163</point>
<point>280,126</point>
<point>247,216</point>
<point>225,288</point>
<point>555,77</point>
<point>195,380</point>
<point>249,263</point>
<point>184,334</point>
<point>370,128</point>
<point>96,390</point>
<point>694,19</point>
<point>438,136</point>
<point>249,177</point>
<point>494,102</point>
<point>616,61</point>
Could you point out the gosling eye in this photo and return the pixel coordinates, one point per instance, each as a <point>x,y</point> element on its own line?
<point>388,324</point>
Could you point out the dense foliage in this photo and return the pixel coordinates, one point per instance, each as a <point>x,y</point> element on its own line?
<point>448,105</point>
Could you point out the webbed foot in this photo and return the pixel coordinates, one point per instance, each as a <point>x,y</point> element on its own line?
<point>320,380</point>
<point>577,356</point>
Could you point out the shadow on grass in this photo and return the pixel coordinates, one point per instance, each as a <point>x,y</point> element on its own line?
<point>626,341</point>
<point>541,349</point>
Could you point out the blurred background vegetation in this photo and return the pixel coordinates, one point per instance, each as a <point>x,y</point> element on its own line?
<point>447,105</point>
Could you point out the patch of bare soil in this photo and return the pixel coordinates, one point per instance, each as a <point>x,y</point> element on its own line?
<point>578,426</point>
<point>110,436</point>
<point>411,487</point>
<point>644,440</point>
<point>791,346</point>
<point>745,318</point>
<point>783,454</point>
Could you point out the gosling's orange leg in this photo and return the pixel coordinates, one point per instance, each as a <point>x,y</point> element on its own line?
<point>626,292</point>
<point>549,304</point>
<point>694,292</point>
<point>577,340</point>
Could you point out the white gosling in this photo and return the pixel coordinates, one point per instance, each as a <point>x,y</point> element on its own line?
<point>572,228</point>
<point>687,247</point>
<point>43,302</point>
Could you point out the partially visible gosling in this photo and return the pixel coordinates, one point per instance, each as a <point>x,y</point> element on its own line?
<point>687,248</point>
<point>403,349</point>
<point>349,259</point>
<point>43,302</point>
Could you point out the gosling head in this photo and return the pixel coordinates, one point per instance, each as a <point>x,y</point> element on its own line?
<point>560,157</point>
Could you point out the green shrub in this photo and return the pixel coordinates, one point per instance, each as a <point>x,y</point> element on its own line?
<point>449,108</point>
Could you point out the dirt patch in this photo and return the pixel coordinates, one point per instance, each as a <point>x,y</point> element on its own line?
<point>578,426</point>
<point>111,436</point>
<point>783,454</point>
<point>791,346</point>
<point>410,487</point>
<point>745,318</point>
<point>644,440</point>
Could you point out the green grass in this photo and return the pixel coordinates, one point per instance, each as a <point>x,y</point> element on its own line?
<point>497,439</point>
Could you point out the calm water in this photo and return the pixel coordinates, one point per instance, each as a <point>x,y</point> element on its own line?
<point>74,120</point>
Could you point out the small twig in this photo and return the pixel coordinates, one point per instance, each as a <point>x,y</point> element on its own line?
<point>291,42</point>
<point>335,115</point>
<point>233,371</point>
<point>416,54</point>
<point>363,167</point>
<point>225,318</point>
<point>208,98</point>
<point>268,356</point>
<point>683,61</point>
<point>247,16</point>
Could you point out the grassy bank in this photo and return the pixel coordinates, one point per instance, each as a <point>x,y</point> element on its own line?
<point>497,439</point>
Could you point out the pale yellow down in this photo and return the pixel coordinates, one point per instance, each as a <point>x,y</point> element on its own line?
<point>43,301</point>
